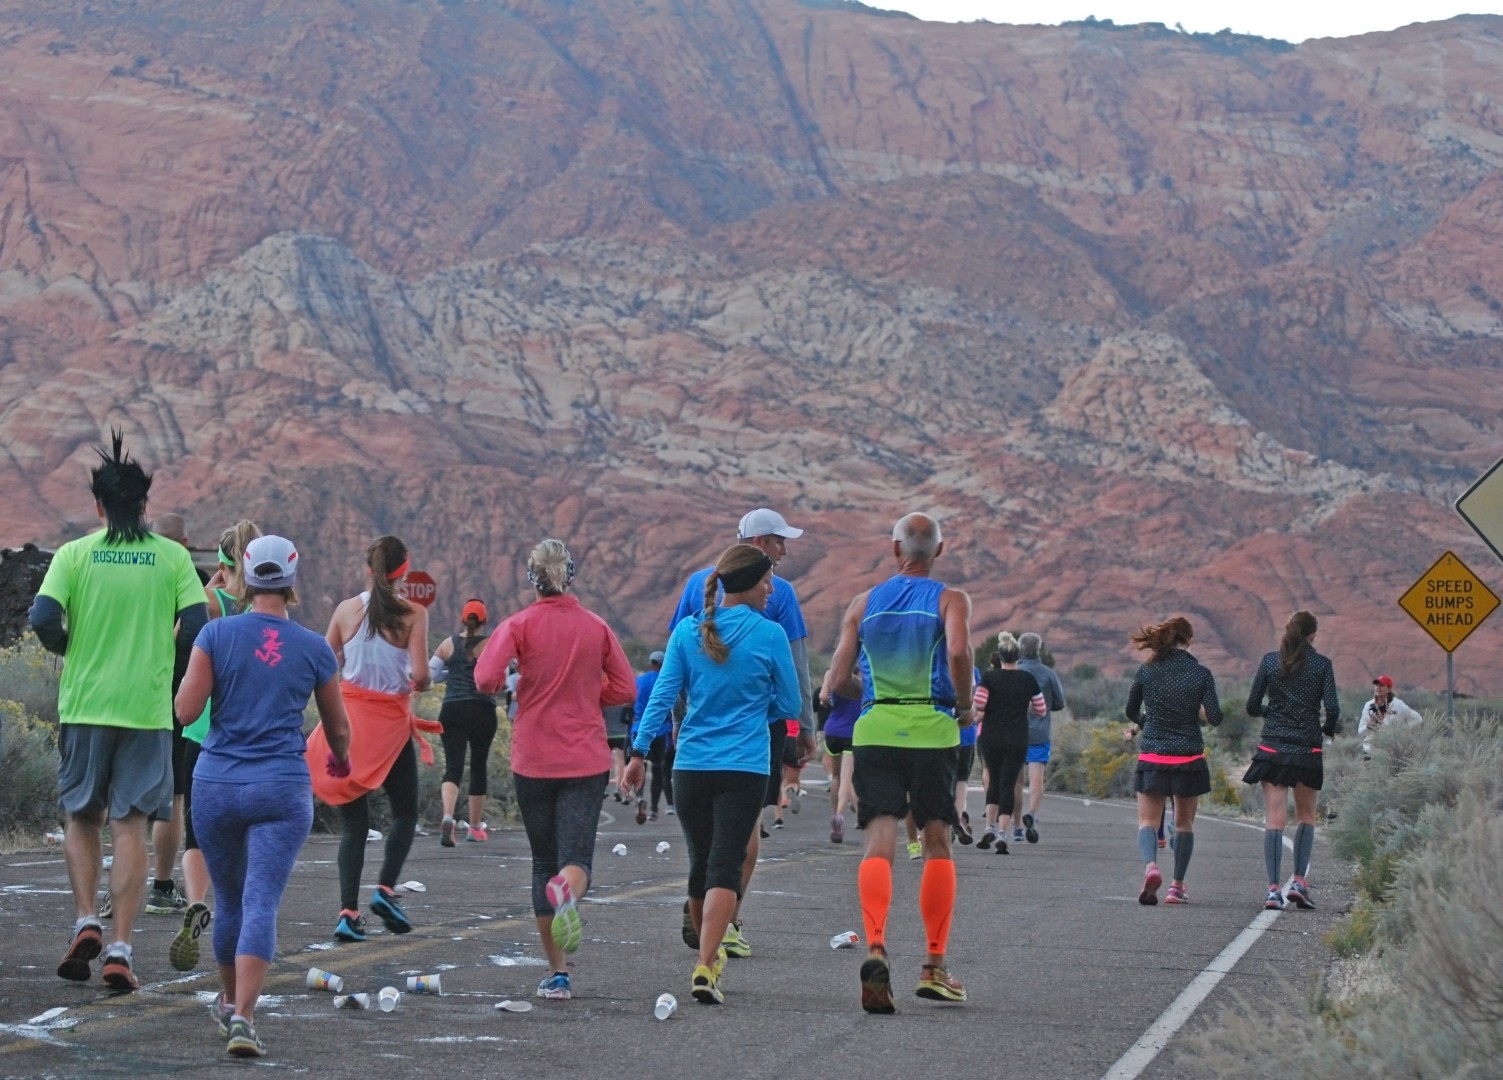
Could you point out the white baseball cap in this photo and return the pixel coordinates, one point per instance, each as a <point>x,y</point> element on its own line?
<point>270,562</point>
<point>765,522</point>
<point>656,656</point>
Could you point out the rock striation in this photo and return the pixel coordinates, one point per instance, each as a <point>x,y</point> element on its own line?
<point>1155,322</point>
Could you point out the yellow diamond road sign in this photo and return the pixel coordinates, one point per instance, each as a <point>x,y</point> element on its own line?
<point>1449,601</point>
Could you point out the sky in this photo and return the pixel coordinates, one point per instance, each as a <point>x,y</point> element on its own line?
<point>1289,20</point>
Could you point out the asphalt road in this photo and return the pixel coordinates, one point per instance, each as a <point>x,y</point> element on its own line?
<point>1065,970</point>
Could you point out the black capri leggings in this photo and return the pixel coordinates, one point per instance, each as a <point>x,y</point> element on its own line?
<point>717,811</point>
<point>1003,762</point>
<point>467,725</point>
<point>560,816</point>
<point>401,787</point>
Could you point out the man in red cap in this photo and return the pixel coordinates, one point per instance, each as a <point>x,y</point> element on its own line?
<point>1383,708</point>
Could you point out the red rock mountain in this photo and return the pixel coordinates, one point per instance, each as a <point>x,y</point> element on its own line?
<point>1155,322</point>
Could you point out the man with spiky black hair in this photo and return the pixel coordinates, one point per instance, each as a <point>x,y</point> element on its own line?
<point>109,603</point>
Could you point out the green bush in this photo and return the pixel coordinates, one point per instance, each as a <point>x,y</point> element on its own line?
<point>28,762</point>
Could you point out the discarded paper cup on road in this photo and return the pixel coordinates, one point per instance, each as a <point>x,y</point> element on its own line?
<point>619,849</point>
<point>846,940</point>
<point>425,984</point>
<point>662,846</point>
<point>388,998</point>
<point>372,836</point>
<point>352,1001</point>
<point>666,1003</point>
<point>514,1006</point>
<point>319,979</point>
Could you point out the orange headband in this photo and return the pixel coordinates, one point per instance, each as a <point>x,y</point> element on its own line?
<point>399,571</point>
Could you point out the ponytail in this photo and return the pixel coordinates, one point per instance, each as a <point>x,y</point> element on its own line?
<point>387,612</point>
<point>743,565</point>
<point>709,634</point>
<point>1161,638</point>
<point>1007,649</point>
<point>1297,633</point>
<point>232,543</point>
<point>471,640</point>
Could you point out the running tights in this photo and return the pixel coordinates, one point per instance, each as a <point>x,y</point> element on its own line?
<point>560,816</point>
<point>401,787</point>
<point>250,835</point>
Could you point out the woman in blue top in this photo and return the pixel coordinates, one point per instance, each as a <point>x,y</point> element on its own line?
<point>737,670</point>
<point>252,801</point>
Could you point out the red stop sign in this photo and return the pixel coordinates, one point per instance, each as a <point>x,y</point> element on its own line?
<point>419,587</point>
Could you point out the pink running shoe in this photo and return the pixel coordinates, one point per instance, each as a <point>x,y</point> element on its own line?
<point>1152,879</point>
<point>1176,895</point>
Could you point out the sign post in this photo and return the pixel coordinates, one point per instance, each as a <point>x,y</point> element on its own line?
<point>419,587</point>
<point>1449,602</point>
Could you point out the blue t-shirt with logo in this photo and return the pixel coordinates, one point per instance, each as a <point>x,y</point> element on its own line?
<point>265,670</point>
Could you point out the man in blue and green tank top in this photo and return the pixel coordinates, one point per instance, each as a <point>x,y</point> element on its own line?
<point>910,637</point>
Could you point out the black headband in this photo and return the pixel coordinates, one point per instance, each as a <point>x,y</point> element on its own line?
<point>738,581</point>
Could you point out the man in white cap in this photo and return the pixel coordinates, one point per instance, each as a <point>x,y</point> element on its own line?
<point>768,530</point>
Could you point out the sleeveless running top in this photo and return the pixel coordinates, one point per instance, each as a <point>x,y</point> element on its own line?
<point>461,684</point>
<point>373,663</point>
<point>907,698</point>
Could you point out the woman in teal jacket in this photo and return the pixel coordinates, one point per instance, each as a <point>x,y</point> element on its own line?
<point>736,668</point>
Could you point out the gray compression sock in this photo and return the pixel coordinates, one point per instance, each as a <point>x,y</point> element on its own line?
<point>1304,844</point>
<point>1184,847</point>
<point>1273,853</point>
<point>1148,843</point>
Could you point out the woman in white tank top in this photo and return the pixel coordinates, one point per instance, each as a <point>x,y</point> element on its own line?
<point>381,641</point>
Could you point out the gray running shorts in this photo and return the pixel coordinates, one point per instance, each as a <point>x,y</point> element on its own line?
<point>114,769</point>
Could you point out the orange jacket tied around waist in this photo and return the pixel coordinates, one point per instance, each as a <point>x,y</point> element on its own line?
<point>380,725</point>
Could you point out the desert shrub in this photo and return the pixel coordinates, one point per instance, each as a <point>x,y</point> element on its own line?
<point>1422,821</point>
<point>1092,759</point>
<point>29,676</point>
<point>28,762</point>
<point>1098,697</point>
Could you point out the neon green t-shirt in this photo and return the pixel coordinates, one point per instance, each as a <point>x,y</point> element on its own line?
<point>121,602</point>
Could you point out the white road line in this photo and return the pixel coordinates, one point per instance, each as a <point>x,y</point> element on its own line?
<point>1149,1045</point>
<point>1142,1052</point>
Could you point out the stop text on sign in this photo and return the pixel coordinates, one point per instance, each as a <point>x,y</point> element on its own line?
<point>420,587</point>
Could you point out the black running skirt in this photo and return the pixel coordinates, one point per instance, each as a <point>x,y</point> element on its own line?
<point>1190,780</point>
<point>1285,770</point>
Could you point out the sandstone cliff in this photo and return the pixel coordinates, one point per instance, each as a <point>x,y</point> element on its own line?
<point>1156,322</point>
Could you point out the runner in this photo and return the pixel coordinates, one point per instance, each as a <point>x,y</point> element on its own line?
<point>738,670</point>
<point>381,641</point>
<point>1008,698</point>
<point>108,603</point>
<point>254,802</point>
<point>767,531</point>
<point>572,666</point>
<point>965,762</point>
<point>226,595</point>
<point>164,897</point>
<point>660,752</point>
<point>1289,690</point>
<point>1171,695</point>
<point>911,635</point>
<point>839,761</point>
<point>1030,646</point>
<point>468,718</point>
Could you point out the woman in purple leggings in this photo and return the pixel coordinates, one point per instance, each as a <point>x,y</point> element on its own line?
<point>252,801</point>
